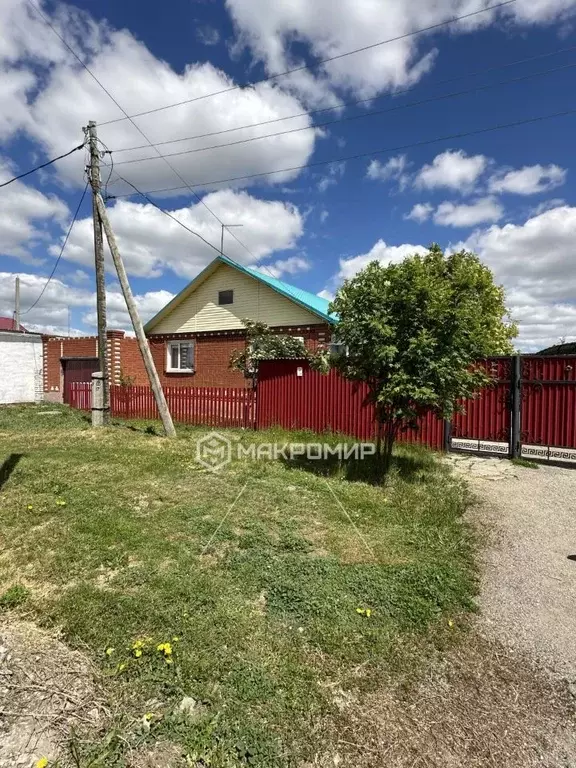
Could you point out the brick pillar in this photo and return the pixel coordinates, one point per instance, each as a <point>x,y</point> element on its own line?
<point>114,354</point>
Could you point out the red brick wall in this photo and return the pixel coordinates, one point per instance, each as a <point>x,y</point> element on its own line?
<point>212,355</point>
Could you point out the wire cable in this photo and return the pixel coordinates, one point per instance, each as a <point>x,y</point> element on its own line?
<point>423,143</point>
<point>351,103</point>
<point>362,116</point>
<point>252,83</point>
<point>44,165</point>
<point>60,254</point>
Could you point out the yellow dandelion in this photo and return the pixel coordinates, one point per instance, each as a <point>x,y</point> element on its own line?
<point>368,612</point>
<point>164,648</point>
<point>360,611</point>
<point>137,652</point>
<point>61,503</point>
<point>121,667</point>
<point>450,623</point>
<point>29,506</point>
<point>42,763</point>
<point>110,651</point>
<point>148,716</point>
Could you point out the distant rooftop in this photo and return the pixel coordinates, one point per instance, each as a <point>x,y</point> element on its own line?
<point>7,324</point>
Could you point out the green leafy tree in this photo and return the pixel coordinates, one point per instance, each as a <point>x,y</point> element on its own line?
<point>414,331</point>
<point>263,344</point>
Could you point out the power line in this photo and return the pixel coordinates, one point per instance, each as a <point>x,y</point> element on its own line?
<point>351,103</point>
<point>317,63</point>
<point>61,252</point>
<point>44,165</point>
<point>357,117</point>
<point>373,152</point>
<point>128,117</point>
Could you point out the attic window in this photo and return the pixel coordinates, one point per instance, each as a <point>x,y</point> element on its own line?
<point>225,297</point>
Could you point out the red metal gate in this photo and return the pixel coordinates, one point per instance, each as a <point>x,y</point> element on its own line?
<point>77,369</point>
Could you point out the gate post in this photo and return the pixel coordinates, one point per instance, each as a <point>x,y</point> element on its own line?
<point>515,387</point>
<point>447,435</point>
<point>98,399</point>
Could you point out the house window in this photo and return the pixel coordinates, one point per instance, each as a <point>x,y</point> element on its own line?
<point>225,297</point>
<point>180,357</point>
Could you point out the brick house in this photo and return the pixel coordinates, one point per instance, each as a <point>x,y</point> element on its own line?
<point>193,336</point>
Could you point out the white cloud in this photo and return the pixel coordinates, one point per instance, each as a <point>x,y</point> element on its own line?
<point>323,215</point>
<point>52,310</point>
<point>325,294</point>
<point>150,241</point>
<point>530,180</point>
<point>335,172</point>
<point>207,35</point>
<point>486,209</point>
<point>386,254</point>
<point>395,168</point>
<point>329,28</point>
<point>117,316</point>
<point>420,212</point>
<point>535,262</point>
<point>453,169</point>
<point>24,210</point>
<point>63,96</point>
<point>290,266</point>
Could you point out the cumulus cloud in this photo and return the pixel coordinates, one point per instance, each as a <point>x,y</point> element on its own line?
<point>51,97</point>
<point>386,254</point>
<point>420,212</point>
<point>535,262</point>
<point>329,28</point>
<point>530,180</point>
<point>486,209</point>
<point>395,168</point>
<point>24,212</point>
<point>290,266</point>
<point>151,242</point>
<point>335,172</point>
<point>453,169</point>
<point>207,35</point>
<point>117,316</point>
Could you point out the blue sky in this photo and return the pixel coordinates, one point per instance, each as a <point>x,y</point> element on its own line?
<point>507,194</point>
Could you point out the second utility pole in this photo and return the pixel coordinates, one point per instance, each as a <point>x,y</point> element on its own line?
<point>99,266</point>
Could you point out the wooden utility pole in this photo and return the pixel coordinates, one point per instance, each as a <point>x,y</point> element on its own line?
<point>99,267</point>
<point>17,304</point>
<point>136,322</point>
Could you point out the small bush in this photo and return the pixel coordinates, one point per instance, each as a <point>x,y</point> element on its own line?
<point>14,596</point>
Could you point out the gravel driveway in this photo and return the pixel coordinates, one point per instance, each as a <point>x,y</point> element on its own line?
<point>528,591</point>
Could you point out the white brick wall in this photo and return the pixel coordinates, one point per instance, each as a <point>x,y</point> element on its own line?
<point>20,368</point>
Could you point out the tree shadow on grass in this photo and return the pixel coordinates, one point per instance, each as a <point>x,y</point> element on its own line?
<point>411,466</point>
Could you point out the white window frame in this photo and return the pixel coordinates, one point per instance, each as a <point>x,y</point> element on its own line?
<point>169,346</point>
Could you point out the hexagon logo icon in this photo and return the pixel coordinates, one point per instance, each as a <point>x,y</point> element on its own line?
<point>213,451</point>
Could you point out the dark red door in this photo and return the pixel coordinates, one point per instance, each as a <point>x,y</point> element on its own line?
<point>78,369</point>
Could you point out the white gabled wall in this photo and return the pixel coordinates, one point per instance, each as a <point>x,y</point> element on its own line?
<point>252,299</point>
<point>20,368</point>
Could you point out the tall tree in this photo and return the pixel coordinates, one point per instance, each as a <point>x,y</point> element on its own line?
<point>414,331</point>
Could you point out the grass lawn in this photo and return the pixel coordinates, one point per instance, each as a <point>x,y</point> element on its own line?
<point>313,587</point>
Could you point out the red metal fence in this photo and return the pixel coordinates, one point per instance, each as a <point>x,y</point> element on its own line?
<point>212,406</point>
<point>528,409</point>
<point>294,396</point>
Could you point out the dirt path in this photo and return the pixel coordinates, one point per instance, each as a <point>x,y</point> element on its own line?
<point>528,593</point>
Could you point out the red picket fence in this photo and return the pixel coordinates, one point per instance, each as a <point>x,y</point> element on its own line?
<point>210,406</point>
<point>294,396</point>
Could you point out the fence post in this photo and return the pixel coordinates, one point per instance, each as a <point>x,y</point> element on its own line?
<point>98,399</point>
<point>515,387</point>
<point>447,435</point>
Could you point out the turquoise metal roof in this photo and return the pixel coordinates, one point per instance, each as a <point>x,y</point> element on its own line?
<point>310,301</point>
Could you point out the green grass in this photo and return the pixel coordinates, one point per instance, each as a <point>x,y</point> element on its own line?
<point>119,536</point>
